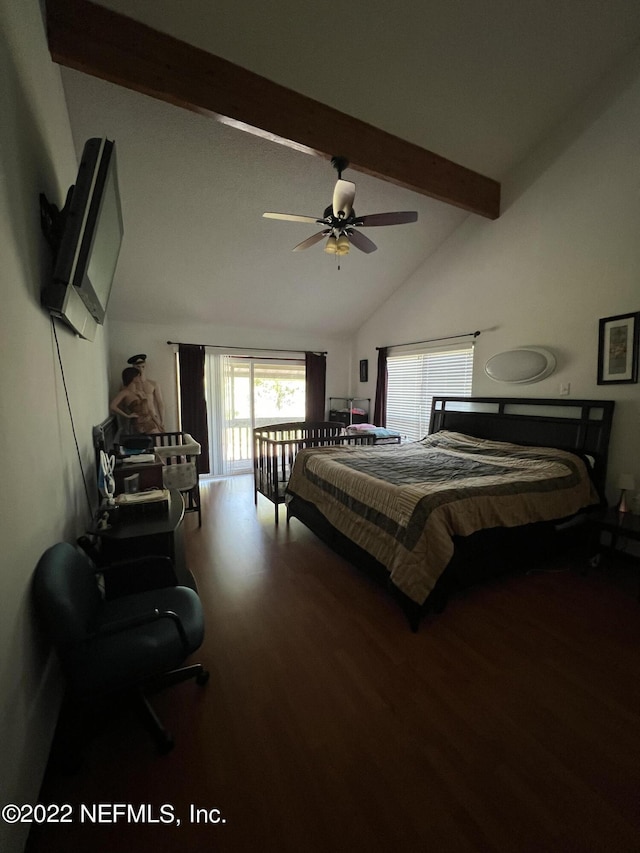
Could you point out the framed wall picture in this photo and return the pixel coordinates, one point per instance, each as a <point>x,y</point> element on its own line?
<point>364,370</point>
<point>618,349</point>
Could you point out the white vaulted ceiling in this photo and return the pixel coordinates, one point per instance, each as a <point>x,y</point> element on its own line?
<point>480,83</point>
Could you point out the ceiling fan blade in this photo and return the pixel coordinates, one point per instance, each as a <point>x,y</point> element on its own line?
<point>400,217</point>
<point>310,241</point>
<point>343,196</point>
<point>361,242</point>
<point>292,217</point>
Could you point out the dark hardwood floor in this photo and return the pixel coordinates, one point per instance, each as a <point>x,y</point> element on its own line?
<point>509,723</point>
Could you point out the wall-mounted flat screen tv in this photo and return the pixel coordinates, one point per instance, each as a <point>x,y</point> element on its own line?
<point>86,236</point>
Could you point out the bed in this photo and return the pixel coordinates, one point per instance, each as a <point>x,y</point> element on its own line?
<point>433,516</point>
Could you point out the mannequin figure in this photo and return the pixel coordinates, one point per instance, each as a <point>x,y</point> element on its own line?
<point>139,409</point>
<point>150,388</point>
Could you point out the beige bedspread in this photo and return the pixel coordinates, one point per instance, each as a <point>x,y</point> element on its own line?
<point>404,503</point>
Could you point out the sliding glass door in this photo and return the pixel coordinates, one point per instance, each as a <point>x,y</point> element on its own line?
<point>244,392</point>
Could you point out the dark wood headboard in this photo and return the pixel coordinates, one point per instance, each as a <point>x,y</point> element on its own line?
<point>581,426</point>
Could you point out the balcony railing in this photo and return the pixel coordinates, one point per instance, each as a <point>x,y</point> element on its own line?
<point>239,441</point>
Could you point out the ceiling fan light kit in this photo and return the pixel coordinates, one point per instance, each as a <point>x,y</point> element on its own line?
<point>340,221</point>
<point>343,245</point>
<point>331,246</point>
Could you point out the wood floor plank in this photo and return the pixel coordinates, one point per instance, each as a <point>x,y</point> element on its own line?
<point>508,723</point>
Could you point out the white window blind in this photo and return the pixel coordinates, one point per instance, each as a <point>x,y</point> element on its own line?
<point>415,378</point>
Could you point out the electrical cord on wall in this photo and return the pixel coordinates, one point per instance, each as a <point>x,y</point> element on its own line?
<point>73,427</point>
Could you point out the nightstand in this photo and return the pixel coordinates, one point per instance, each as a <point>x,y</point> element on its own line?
<point>617,525</point>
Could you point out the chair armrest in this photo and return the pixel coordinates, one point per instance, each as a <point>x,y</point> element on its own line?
<point>170,614</point>
<point>124,625</point>
<point>148,560</point>
<point>147,618</point>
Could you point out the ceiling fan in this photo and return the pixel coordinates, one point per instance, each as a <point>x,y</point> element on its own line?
<point>340,221</point>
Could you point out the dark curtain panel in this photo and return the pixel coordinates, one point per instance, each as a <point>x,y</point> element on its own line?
<point>316,375</point>
<point>192,400</point>
<point>380,408</point>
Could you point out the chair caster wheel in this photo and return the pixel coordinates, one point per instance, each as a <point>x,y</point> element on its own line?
<point>165,744</point>
<point>202,678</point>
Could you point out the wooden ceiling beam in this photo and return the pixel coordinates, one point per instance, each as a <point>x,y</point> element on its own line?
<point>105,44</point>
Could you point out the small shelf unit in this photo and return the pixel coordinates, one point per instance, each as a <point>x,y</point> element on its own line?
<point>341,409</point>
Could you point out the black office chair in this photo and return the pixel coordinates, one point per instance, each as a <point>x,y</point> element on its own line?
<point>133,643</point>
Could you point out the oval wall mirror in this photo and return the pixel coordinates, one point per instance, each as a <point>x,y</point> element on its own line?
<point>521,366</point>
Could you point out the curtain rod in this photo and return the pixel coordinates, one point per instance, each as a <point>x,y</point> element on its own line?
<point>247,349</point>
<point>432,340</point>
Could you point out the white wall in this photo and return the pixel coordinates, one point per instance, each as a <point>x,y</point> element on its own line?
<point>43,499</point>
<point>127,339</point>
<point>564,253</point>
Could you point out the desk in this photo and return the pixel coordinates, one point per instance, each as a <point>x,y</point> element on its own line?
<point>153,534</point>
